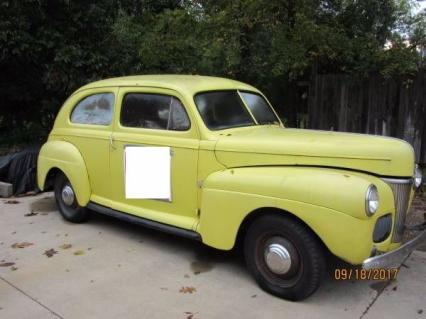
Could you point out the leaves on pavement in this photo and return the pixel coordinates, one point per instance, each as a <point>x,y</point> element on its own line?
<point>6,264</point>
<point>31,214</point>
<point>79,252</point>
<point>50,252</point>
<point>65,246</point>
<point>187,290</point>
<point>12,201</point>
<point>21,245</point>
<point>190,315</point>
<point>13,268</point>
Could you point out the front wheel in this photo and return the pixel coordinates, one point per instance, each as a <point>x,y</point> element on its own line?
<point>284,256</point>
<point>67,201</point>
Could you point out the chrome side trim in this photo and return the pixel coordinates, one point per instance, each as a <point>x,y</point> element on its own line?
<point>394,258</point>
<point>398,181</point>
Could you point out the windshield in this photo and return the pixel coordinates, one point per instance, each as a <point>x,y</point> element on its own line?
<point>226,109</point>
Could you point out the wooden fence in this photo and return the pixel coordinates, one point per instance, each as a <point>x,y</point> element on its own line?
<point>375,106</point>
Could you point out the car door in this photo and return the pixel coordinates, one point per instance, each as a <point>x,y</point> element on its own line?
<point>89,128</point>
<point>154,157</point>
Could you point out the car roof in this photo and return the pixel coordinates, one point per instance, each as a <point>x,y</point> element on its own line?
<point>191,84</point>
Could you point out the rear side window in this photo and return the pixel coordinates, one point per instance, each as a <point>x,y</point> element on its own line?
<point>96,109</point>
<point>154,111</point>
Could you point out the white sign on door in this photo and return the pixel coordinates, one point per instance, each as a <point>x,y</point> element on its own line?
<point>147,172</point>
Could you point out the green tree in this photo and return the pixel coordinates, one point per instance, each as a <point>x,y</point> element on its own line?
<point>49,48</point>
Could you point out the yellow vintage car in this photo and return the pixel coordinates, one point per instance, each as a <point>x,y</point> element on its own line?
<point>209,159</point>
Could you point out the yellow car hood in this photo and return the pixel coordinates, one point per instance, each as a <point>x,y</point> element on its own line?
<point>274,145</point>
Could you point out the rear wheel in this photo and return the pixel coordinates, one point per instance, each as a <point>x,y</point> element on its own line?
<point>284,256</point>
<point>67,201</point>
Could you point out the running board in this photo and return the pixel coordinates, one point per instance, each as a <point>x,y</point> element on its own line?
<point>144,222</point>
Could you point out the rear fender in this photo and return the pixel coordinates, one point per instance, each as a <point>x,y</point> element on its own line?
<point>64,156</point>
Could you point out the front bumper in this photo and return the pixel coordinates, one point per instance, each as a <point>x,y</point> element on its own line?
<point>394,258</point>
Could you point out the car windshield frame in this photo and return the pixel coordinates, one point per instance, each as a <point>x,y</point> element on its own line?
<point>248,111</point>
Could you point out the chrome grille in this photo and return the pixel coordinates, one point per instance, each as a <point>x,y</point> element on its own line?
<point>401,189</point>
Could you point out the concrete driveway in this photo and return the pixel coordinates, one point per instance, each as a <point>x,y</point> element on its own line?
<point>109,269</point>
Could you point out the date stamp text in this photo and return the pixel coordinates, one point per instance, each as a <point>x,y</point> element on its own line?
<point>365,274</point>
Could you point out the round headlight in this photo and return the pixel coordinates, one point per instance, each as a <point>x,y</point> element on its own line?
<point>418,178</point>
<point>371,200</point>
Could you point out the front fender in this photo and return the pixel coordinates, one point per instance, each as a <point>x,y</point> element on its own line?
<point>65,157</point>
<point>331,202</point>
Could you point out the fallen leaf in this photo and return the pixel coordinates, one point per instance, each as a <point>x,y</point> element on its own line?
<point>13,268</point>
<point>31,214</point>
<point>50,252</point>
<point>21,245</point>
<point>79,252</point>
<point>420,311</point>
<point>187,290</point>
<point>6,264</point>
<point>254,296</point>
<point>12,201</point>
<point>189,315</point>
<point>65,246</point>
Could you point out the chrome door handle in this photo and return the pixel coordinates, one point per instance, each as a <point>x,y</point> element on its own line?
<point>111,142</point>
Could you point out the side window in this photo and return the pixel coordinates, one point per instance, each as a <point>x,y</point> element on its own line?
<point>154,111</point>
<point>95,109</point>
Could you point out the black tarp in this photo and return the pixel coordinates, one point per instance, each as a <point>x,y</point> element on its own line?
<point>20,169</point>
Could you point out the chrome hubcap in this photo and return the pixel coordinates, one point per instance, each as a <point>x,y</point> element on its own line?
<point>68,195</point>
<point>277,258</point>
